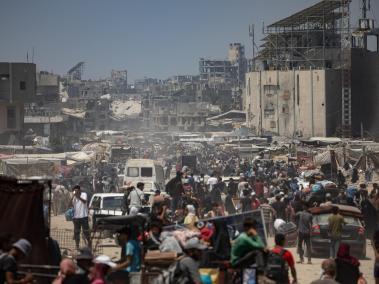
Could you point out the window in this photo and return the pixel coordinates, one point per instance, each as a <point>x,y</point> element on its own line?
<point>112,203</point>
<point>146,172</point>
<point>11,118</point>
<point>133,172</point>
<point>323,219</point>
<point>22,85</point>
<point>96,202</point>
<point>4,77</point>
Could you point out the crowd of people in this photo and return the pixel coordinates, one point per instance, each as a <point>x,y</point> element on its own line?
<point>231,186</point>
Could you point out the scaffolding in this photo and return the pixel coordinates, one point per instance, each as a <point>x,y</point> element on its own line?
<point>311,38</point>
<point>318,37</point>
<point>76,72</point>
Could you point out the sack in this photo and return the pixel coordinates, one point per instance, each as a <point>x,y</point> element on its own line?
<point>69,214</point>
<point>277,267</point>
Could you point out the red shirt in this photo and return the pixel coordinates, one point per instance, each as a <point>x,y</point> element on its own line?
<point>287,256</point>
<point>255,204</point>
<point>259,188</point>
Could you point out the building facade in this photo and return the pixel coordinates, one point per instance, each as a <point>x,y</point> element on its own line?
<point>300,103</point>
<point>17,87</point>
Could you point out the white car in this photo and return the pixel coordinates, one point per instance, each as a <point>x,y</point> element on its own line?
<point>105,204</point>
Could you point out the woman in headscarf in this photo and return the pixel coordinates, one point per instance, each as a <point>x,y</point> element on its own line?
<point>191,217</point>
<point>347,266</point>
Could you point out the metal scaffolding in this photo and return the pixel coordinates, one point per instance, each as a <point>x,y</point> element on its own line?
<point>311,38</point>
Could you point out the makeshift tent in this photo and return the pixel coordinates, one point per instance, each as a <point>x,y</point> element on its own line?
<point>368,158</point>
<point>22,215</point>
<point>27,168</point>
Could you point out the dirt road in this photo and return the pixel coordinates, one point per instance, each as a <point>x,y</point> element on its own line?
<point>306,272</point>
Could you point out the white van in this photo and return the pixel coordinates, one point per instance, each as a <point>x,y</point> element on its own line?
<point>146,171</point>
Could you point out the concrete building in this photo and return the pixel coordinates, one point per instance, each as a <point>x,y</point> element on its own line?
<point>294,103</point>
<point>17,87</point>
<point>175,112</point>
<point>47,87</point>
<point>119,79</point>
<point>230,72</point>
<point>313,77</point>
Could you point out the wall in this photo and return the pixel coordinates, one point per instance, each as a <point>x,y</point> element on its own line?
<point>300,102</point>
<point>18,73</point>
<point>365,92</point>
<point>5,132</point>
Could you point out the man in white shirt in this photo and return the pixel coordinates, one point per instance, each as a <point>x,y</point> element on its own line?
<point>211,182</point>
<point>80,219</point>
<point>136,198</point>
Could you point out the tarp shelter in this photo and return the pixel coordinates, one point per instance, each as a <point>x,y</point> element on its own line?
<point>27,168</point>
<point>22,215</point>
<point>368,158</point>
<point>322,141</point>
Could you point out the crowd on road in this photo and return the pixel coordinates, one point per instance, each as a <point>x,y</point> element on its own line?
<point>230,186</point>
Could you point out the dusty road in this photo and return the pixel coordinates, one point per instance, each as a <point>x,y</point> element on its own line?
<point>306,272</point>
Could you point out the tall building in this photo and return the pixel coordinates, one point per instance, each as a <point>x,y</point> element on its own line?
<point>230,72</point>
<point>119,80</point>
<point>310,79</point>
<point>17,87</point>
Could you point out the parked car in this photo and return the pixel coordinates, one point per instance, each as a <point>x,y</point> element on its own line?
<point>105,204</point>
<point>353,233</point>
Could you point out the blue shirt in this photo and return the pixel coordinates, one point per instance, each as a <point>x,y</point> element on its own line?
<point>133,249</point>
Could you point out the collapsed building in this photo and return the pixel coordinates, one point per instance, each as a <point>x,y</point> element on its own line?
<point>313,76</point>
<point>179,111</point>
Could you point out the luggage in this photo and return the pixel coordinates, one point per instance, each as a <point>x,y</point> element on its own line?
<point>290,231</point>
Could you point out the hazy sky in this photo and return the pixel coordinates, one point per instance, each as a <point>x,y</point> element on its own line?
<point>153,38</point>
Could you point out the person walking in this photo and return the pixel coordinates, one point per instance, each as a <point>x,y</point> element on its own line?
<point>304,224</point>
<point>175,188</point>
<point>354,175</point>
<point>268,216</point>
<point>347,266</point>
<point>287,256</point>
<point>80,219</point>
<point>280,207</point>
<point>340,178</point>
<point>335,226</point>
<point>329,271</point>
<point>136,198</point>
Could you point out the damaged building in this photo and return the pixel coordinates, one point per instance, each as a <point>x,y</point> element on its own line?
<point>308,78</point>
<point>174,112</point>
<point>17,88</point>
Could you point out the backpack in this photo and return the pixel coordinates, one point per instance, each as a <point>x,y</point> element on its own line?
<point>277,267</point>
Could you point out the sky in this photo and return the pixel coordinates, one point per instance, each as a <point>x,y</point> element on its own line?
<point>149,38</point>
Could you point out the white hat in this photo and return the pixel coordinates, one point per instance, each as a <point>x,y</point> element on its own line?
<point>104,259</point>
<point>24,246</point>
